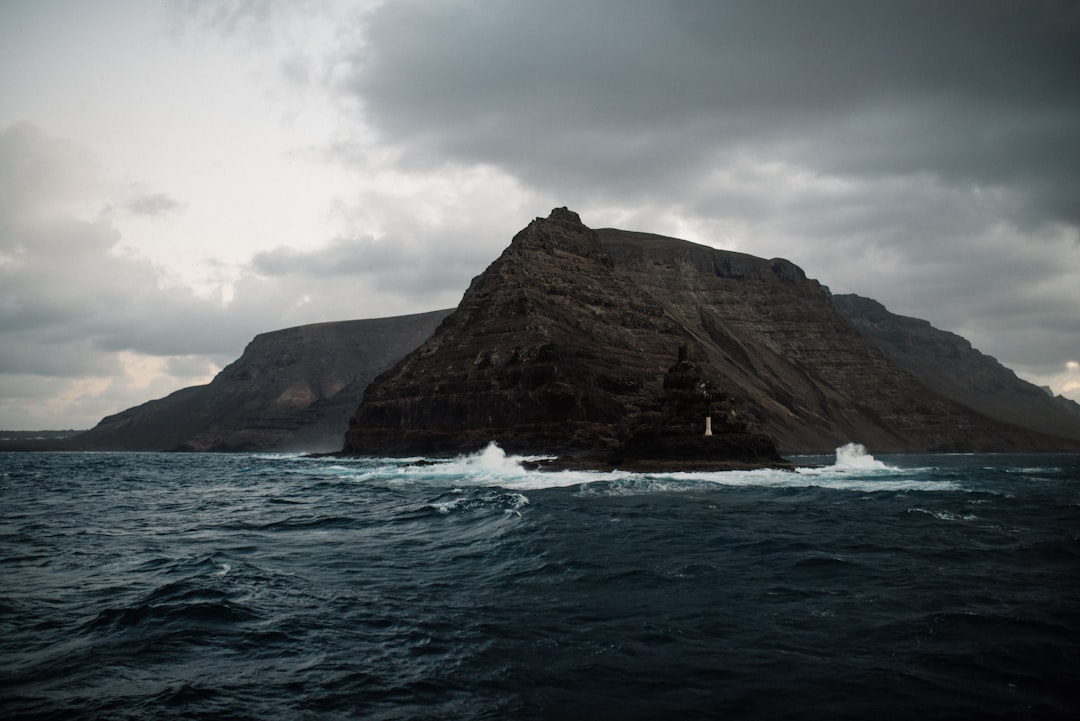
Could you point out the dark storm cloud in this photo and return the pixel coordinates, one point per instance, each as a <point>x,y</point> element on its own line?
<point>632,96</point>
<point>921,152</point>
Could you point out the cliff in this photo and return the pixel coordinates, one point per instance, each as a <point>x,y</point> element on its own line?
<point>291,390</point>
<point>601,344</point>
<point>947,364</point>
<point>563,345</point>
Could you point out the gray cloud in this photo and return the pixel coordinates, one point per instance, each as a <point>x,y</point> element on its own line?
<point>70,307</point>
<point>251,18</point>
<point>74,312</point>
<point>40,172</point>
<point>59,283</point>
<point>152,204</point>
<point>625,93</point>
<point>426,270</point>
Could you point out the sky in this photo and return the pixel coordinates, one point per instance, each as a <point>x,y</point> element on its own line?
<point>179,176</point>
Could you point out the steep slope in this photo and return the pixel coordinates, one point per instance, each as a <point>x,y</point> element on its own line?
<point>291,389</point>
<point>548,349</point>
<point>948,364</point>
<point>564,342</point>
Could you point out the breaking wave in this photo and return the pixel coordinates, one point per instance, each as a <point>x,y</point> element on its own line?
<point>854,469</point>
<point>854,457</point>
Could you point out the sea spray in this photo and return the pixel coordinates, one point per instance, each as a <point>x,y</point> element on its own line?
<point>854,457</point>
<point>492,460</point>
<point>853,469</point>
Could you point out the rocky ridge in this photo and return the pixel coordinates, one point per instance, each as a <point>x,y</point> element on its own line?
<point>563,344</point>
<point>947,364</point>
<point>291,390</point>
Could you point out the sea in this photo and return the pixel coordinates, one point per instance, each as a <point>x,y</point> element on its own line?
<point>233,586</point>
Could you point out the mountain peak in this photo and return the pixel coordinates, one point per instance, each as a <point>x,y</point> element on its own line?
<point>565,215</point>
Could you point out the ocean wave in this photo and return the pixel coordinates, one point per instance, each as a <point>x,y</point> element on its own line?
<point>944,515</point>
<point>854,469</point>
<point>181,614</point>
<point>458,501</point>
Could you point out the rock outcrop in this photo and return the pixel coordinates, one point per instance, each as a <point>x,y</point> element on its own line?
<point>947,364</point>
<point>563,345</point>
<point>291,390</point>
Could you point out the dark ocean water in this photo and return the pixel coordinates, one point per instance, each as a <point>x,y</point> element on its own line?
<point>155,586</point>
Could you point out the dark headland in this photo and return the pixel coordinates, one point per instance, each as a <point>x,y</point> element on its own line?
<point>608,348</point>
<point>291,390</point>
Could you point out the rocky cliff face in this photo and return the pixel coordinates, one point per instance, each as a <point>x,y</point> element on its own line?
<point>564,342</point>
<point>291,390</point>
<point>948,364</point>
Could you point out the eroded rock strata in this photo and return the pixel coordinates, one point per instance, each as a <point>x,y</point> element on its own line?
<point>947,364</point>
<point>564,343</point>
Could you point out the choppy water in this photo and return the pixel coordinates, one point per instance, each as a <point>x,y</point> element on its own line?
<point>162,586</point>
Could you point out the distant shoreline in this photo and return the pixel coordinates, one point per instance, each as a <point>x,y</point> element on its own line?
<point>36,440</point>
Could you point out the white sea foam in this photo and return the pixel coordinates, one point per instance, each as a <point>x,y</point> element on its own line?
<point>492,460</point>
<point>492,466</point>
<point>510,503</point>
<point>852,459</point>
<point>944,515</point>
<point>827,477</point>
<point>853,456</point>
<point>855,469</point>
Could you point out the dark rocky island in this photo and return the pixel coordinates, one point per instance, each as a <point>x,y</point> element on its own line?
<point>571,342</point>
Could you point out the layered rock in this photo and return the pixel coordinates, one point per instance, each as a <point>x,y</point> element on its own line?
<point>695,427</point>
<point>948,364</point>
<point>563,344</point>
<point>291,390</point>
